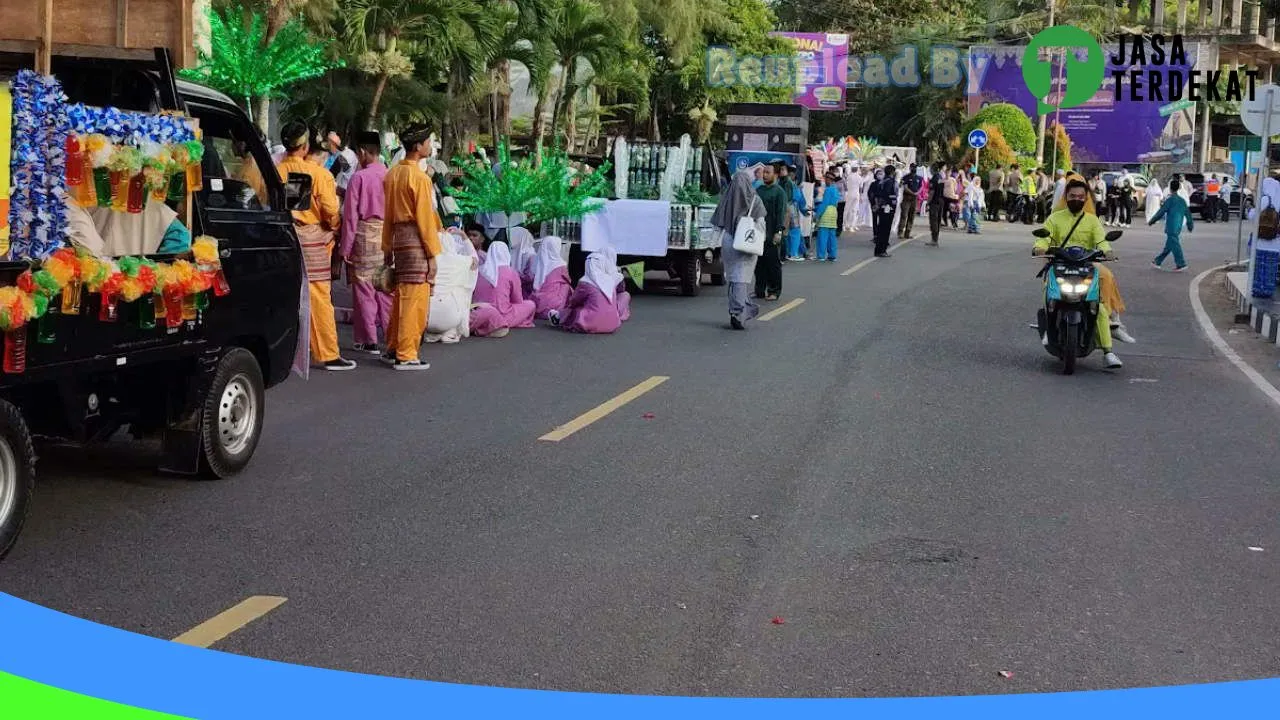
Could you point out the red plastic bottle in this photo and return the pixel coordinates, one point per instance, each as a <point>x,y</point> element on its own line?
<point>15,351</point>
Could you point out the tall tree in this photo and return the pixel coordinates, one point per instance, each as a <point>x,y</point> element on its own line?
<point>581,34</point>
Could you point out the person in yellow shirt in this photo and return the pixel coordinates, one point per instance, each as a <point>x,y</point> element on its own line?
<point>1075,224</point>
<point>411,242</point>
<point>316,229</point>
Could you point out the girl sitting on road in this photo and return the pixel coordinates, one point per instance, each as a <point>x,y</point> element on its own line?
<point>498,303</point>
<point>551,284</point>
<point>600,303</point>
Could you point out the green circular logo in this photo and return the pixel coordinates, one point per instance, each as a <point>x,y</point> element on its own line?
<point>1082,77</point>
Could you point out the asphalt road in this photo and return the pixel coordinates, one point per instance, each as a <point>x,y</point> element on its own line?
<point>893,468</point>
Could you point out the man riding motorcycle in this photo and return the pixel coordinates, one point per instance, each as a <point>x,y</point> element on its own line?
<point>1074,223</point>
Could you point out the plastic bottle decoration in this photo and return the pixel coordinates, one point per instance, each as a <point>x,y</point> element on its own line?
<point>99,151</point>
<point>189,309</point>
<point>178,173</point>
<point>15,351</point>
<point>146,312</point>
<point>137,194</point>
<point>220,285</point>
<point>125,163</point>
<point>195,153</point>
<point>75,161</point>
<point>109,309</point>
<point>173,306</point>
<point>157,181</point>
<point>85,193</point>
<point>157,302</point>
<point>47,329</point>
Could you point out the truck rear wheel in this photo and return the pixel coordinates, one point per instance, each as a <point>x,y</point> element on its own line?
<point>690,273</point>
<point>17,474</point>
<point>233,410</point>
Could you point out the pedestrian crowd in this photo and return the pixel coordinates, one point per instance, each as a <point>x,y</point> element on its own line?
<point>420,271</point>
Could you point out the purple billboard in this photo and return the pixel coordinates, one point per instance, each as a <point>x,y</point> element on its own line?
<point>1104,129</point>
<point>822,69</point>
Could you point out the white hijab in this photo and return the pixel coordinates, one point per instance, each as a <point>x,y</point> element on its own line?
<point>602,271</point>
<point>521,250</point>
<point>547,260</point>
<point>498,257</point>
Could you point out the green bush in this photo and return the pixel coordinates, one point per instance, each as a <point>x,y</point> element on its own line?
<point>1013,123</point>
<point>997,152</point>
<point>1063,142</point>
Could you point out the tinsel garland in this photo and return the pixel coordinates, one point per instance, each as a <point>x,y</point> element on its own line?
<point>120,126</point>
<point>37,213</point>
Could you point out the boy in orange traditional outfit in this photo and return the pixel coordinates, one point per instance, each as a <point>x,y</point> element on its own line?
<point>316,228</point>
<point>411,242</point>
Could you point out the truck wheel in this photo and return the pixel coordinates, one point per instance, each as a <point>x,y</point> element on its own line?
<point>233,409</point>
<point>17,474</point>
<point>691,274</point>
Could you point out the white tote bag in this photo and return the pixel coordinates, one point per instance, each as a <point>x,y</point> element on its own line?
<point>748,237</point>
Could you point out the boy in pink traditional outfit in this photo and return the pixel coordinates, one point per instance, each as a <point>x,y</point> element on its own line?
<point>600,304</point>
<point>497,301</point>
<point>551,284</point>
<point>361,243</point>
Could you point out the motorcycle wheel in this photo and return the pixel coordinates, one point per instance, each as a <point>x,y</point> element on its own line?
<point>1069,342</point>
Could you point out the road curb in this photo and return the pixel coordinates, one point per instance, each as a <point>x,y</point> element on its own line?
<point>1220,345</point>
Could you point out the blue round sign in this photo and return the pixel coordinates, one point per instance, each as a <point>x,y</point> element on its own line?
<point>977,138</point>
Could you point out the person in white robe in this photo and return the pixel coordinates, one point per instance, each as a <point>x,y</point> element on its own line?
<point>1155,196</point>
<point>456,270</point>
<point>862,211</point>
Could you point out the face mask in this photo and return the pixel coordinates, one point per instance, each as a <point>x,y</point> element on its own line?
<point>1075,206</point>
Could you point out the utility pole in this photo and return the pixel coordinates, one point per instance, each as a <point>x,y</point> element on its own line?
<point>1044,118</point>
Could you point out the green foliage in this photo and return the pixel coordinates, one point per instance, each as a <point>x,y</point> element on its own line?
<point>1013,123</point>
<point>1062,141</point>
<point>693,195</point>
<point>244,65</point>
<point>996,153</point>
<point>548,191</point>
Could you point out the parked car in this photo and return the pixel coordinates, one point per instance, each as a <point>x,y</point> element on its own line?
<point>1140,183</point>
<point>1197,181</point>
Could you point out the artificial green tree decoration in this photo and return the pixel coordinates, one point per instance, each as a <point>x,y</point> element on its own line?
<point>545,192</point>
<point>559,197</point>
<point>243,64</point>
<point>511,189</point>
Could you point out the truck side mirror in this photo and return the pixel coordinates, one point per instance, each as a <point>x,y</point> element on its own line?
<point>297,192</point>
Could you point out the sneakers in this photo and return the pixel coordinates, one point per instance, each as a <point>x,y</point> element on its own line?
<point>735,323</point>
<point>553,317</point>
<point>885,255</point>
<point>1180,269</point>
<point>1118,332</point>
<point>1112,361</point>
<point>1156,265</point>
<point>1044,338</point>
<point>371,348</point>
<point>502,332</point>
<point>410,365</point>
<point>340,364</point>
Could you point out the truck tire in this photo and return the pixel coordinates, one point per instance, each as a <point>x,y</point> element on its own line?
<point>690,274</point>
<point>232,421</point>
<point>17,475</point>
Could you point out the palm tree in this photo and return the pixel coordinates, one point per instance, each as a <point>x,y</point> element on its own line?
<point>377,28</point>
<point>580,32</point>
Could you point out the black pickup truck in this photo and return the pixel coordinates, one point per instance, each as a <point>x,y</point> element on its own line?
<point>199,387</point>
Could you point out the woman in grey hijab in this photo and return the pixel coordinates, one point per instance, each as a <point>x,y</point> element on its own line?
<point>738,201</point>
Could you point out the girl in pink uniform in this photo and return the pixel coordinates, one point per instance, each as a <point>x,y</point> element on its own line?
<point>599,304</point>
<point>551,285</point>
<point>498,303</point>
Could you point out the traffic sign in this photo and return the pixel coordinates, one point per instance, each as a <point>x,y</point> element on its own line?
<point>1173,107</point>
<point>1264,106</point>
<point>977,138</point>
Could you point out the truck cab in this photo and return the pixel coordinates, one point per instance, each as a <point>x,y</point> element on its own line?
<point>199,386</point>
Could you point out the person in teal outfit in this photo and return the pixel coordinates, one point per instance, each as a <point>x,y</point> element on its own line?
<point>1175,212</point>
